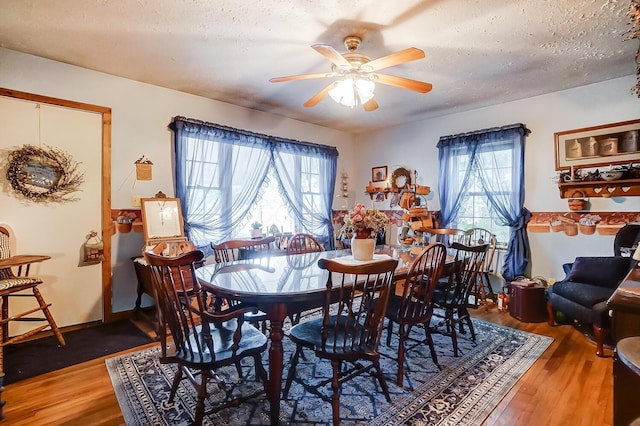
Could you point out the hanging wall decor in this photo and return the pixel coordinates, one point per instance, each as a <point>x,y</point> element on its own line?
<point>144,169</point>
<point>92,250</point>
<point>43,174</point>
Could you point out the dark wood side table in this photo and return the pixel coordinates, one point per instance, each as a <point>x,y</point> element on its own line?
<point>527,303</point>
<point>625,327</point>
<point>624,304</point>
<point>145,285</point>
<point>143,274</point>
<point>626,381</point>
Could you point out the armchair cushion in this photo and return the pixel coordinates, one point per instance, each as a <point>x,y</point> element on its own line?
<point>599,271</point>
<point>582,294</point>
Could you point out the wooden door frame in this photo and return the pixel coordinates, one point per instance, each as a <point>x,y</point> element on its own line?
<point>107,223</point>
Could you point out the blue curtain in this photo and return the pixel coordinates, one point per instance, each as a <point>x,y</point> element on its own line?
<point>480,154</point>
<point>221,170</point>
<point>312,212</point>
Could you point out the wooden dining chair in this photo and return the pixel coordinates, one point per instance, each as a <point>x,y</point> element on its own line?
<point>412,305</point>
<point>447,236</point>
<point>231,250</point>
<point>256,249</point>
<point>350,326</point>
<point>483,290</point>
<point>14,285</point>
<point>303,243</point>
<point>453,297</point>
<point>198,340</point>
<point>303,246</point>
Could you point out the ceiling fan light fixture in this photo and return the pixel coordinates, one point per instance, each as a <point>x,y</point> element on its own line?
<point>352,91</point>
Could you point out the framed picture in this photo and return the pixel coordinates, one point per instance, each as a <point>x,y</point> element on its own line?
<point>615,143</point>
<point>162,219</point>
<point>379,174</point>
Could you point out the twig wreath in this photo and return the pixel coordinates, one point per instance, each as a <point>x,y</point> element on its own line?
<point>43,174</point>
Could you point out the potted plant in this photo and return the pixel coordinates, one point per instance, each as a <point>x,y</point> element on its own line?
<point>124,221</point>
<point>587,223</point>
<point>256,230</point>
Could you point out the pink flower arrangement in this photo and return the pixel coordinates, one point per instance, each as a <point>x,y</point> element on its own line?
<point>362,218</point>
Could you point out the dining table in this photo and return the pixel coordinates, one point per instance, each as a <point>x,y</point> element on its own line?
<point>281,286</point>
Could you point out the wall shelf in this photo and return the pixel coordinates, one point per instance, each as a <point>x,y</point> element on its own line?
<point>600,188</point>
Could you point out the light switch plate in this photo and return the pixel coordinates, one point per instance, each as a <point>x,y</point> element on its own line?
<point>135,200</point>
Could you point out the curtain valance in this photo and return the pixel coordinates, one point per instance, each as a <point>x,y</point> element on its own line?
<point>244,137</point>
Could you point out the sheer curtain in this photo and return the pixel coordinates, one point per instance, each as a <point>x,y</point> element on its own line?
<point>483,154</point>
<point>311,209</point>
<point>220,172</point>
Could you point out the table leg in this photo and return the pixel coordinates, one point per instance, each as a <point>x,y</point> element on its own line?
<point>276,315</point>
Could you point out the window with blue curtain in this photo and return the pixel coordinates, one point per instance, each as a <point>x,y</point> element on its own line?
<point>223,175</point>
<point>481,184</point>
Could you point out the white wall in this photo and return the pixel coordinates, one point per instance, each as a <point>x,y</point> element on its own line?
<point>44,228</point>
<point>413,146</point>
<point>140,116</point>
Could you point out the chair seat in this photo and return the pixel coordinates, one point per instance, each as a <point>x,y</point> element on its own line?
<point>252,341</point>
<point>12,283</point>
<point>584,294</point>
<point>308,334</point>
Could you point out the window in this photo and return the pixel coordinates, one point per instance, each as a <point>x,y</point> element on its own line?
<point>271,209</point>
<point>481,184</point>
<point>476,209</point>
<point>228,178</point>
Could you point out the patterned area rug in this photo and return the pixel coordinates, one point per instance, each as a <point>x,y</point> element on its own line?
<point>463,392</point>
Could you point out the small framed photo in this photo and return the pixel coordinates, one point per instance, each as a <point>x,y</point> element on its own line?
<point>379,174</point>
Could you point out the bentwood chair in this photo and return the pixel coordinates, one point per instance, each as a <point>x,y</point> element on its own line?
<point>254,249</point>
<point>303,243</point>
<point>452,296</point>
<point>350,326</point>
<point>483,290</point>
<point>198,340</point>
<point>412,306</point>
<point>446,236</point>
<point>14,285</point>
<point>303,246</point>
<point>231,250</point>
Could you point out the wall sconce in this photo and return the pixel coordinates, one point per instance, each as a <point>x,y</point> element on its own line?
<point>344,185</point>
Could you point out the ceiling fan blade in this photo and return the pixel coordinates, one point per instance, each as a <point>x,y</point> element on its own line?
<point>320,95</point>
<point>302,77</point>
<point>333,55</point>
<point>403,83</point>
<point>406,55</point>
<point>370,105</point>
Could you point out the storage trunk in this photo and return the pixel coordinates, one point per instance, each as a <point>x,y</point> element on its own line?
<point>527,304</point>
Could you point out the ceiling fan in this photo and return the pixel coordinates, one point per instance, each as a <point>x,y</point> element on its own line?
<point>357,75</point>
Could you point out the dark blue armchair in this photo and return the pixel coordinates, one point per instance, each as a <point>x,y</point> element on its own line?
<point>582,295</point>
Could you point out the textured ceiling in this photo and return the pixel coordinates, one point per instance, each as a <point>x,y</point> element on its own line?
<point>478,53</point>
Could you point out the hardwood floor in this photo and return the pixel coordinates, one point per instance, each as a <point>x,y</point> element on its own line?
<point>567,385</point>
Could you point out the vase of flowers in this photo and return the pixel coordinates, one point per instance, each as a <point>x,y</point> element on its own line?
<point>363,224</point>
